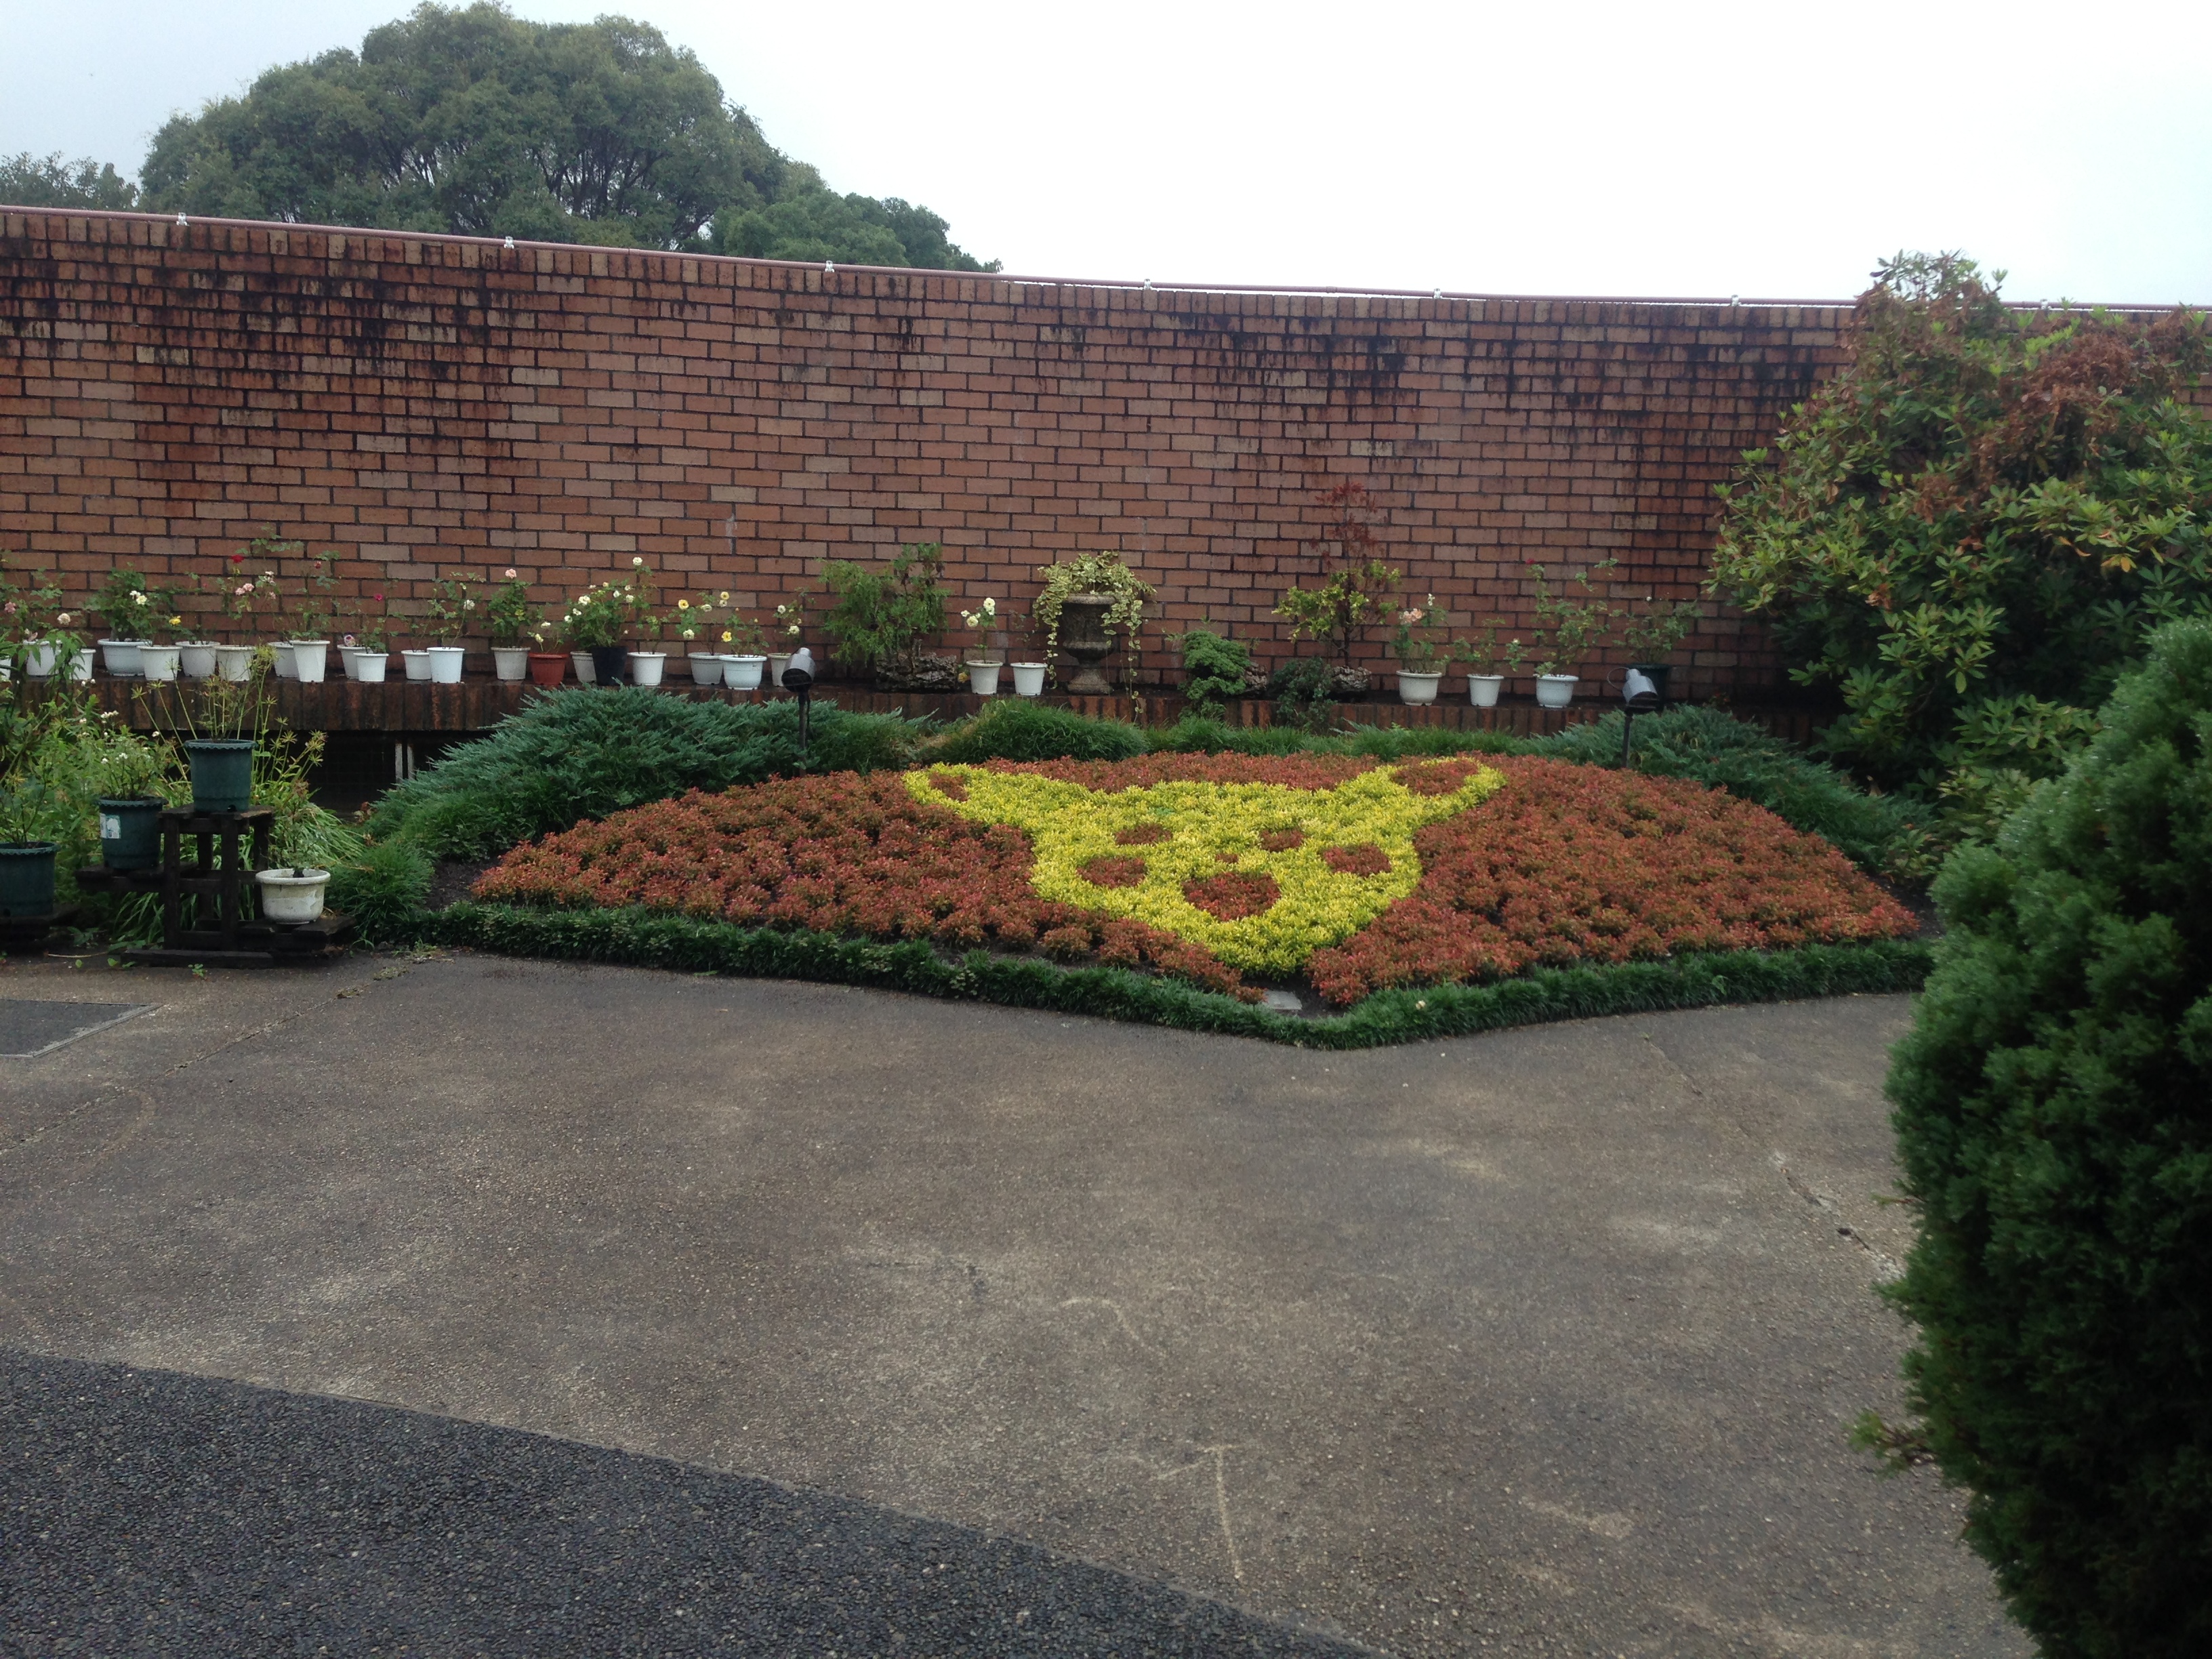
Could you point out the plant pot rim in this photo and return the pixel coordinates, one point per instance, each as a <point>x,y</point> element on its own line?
<point>415,650</point>
<point>745,656</point>
<point>550,656</point>
<point>1029,665</point>
<point>219,742</point>
<point>1485,676</point>
<point>463,649</point>
<point>129,800</point>
<point>1420,673</point>
<point>1558,677</point>
<point>983,662</point>
<point>634,652</point>
<point>21,847</point>
<point>282,875</point>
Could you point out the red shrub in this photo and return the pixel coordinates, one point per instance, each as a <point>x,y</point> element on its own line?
<point>1233,896</point>
<point>1106,871</point>
<point>1364,859</point>
<point>1137,834</point>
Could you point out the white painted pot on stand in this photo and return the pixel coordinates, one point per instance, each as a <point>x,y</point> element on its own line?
<point>646,668</point>
<point>291,896</point>
<point>418,664</point>
<point>707,667</point>
<point>983,678</point>
<point>311,661</point>
<point>280,653</point>
<point>234,663</point>
<point>586,673</point>
<point>159,662</point>
<point>369,668</point>
<point>121,658</point>
<point>197,661</point>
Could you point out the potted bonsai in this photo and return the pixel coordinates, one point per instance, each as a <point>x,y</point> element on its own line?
<point>453,606</point>
<point>985,659</point>
<point>511,620</point>
<point>881,616</point>
<point>1356,593</point>
<point>1423,631</point>
<point>1566,627</point>
<point>1083,604</point>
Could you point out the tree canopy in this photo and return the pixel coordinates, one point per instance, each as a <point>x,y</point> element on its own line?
<point>29,180</point>
<point>470,119</point>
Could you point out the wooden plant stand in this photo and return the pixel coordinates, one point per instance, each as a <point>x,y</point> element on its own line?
<point>228,848</point>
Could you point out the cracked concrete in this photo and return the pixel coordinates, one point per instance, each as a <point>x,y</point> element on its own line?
<point>1543,1341</point>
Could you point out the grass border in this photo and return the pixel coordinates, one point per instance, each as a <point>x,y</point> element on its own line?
<point>640,938</point>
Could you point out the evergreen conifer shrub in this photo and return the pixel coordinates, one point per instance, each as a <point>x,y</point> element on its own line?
<point>2054,1117</point>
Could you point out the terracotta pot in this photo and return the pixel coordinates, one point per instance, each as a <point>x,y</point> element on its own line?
<point>547,667</point>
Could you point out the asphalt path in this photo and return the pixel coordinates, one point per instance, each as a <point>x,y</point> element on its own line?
<point>1546,1341</point>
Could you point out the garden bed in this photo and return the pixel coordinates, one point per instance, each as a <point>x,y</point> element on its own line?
<point>1450,894</point>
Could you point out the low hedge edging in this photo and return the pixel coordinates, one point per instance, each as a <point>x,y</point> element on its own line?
<point>639,939</point>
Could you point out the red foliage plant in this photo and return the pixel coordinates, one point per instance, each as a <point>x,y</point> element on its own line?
<point>1567,864</point>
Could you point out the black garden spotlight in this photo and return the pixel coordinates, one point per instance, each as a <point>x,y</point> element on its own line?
<point>798,680</point>
<point>1638,696</point>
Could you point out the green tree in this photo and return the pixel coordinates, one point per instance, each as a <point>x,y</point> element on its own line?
<point>2054,1119</point>
<point>469,119</point>
<point>1970,530</point>
<point>29,180</point>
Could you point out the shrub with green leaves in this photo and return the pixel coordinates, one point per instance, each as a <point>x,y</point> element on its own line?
<point>1017,729</point>
<point>383,887</point>
<point>579,754</point>
<point>1988,504</point>
<point>2054,1119</point>
<point>1217,671</point>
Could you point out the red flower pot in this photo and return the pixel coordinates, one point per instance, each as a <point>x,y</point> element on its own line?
<point>547,667</point>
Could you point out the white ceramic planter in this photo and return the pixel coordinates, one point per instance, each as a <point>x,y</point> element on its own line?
<point>281,651</point>
<point>777,662</point>
<point>159,662</point>
<point>418,664</point>
<point>289,897</point>
<point>706,668</point>
<point>234,663</point>
<point>1028,679</point>
<point>368,666</point>
<point>121,658</point>
<point>38,662</point>
<point>645,667</point>
<point>1482,690</point>
<point>197,660</point>
<point>446,661</point>
<point>742,673</point>
<point>983,678</point>
<point>311,661</point>
<point>348,655</point>
<point>1416,687</point>
<point>510,662</point>
<point>586,674</point>
<point>1555,691</point>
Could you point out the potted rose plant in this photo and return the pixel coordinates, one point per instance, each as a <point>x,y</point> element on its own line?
<point>308,654</point>
<point>123,605</point>
<point>511,620</point>
<point>1488,665</point>
<point>985,659</point>
<point>451,608</point>
<point>1424,631</point>
<point>594,625</point>
<point>693,621</point>
<point>159,657</point>
<point>788,628</point>
<point>370,659</point>
<point>1566,627</point>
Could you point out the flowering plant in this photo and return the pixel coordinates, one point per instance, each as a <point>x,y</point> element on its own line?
<point>1566,627</point>
<point>981,621</point>
<point>375,634</point>
<point>791,620</point>
<point>510,618</point>
<point>1424,635</point>
<point>598,616</point>
<point>450,608</point>
<point>317,612</point>
<point>1484,655</point>
<point>693,620</point>
<point>744,636</point>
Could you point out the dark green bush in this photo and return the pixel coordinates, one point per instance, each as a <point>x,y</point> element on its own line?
<point>384,889</point>
<point>1017,729</point>
<point>1195,735</point>
<point>2054,1118</point>
<point>1304,690</point>
<point>1215,671</point>
<point>573,754</point>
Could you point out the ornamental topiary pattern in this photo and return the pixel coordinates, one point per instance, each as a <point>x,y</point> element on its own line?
<point>1207,878</point>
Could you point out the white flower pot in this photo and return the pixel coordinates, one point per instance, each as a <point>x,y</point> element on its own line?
<point>234,663</point>
<point>446,661</point>
<point>197,662</point>
<point>80,668</point>
<point>1482,690</point>
<point>742,673</point>
<point>983,678</point>
<point>121,658</point>
<point>349,655</point>
<point>311,661</point>
<point>1414,686</point>
<point>511,662</point>
<point>645,667</point>
<point>706,670</point>
<point>1028,679</point>
<point>159,662</point>
<point>417,664</point>
<point>777,662</point>
<point>39,659</point>
<point>287,897</point>
<point>1555,691</point>
<point>585,673</point>
<point>368,666</point>
<point>281,650</point>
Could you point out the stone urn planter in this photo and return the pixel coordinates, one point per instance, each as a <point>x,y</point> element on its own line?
<point>1085,636</point>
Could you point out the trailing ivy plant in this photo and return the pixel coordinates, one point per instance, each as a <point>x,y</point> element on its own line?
<point>1988,505</point>
<point>1093,573</point>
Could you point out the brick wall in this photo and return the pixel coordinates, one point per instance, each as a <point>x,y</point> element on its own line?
<point>423,402</point>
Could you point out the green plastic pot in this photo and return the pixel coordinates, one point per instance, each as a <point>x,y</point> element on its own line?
<point>222,774</point>
<point>131,831</point>
<point>27,878</point>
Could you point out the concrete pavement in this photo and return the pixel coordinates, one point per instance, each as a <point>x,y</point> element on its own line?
<point>1543,1341</point>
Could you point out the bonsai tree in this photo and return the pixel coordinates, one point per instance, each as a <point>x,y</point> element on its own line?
<point>2054,1119</point>
<point>1217,671</point>
<point>1356,591</point>
<point>882,616</point>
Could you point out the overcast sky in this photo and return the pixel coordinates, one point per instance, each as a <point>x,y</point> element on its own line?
<point>1695,149</point>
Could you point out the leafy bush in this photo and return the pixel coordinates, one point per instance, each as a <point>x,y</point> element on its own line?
<point>1018,730</point>
<point>882,616</point>
<point>582,753</point>
<point>1987,503</point>
<point>383,887</point>
<point>1304,689</point>
<point>1216,670</point>
<point>2054,1118</point>
<point>1195,735</point>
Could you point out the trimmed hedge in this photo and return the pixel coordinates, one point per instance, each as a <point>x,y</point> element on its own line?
<point>640,938</point>
<point>2054,1118</point>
